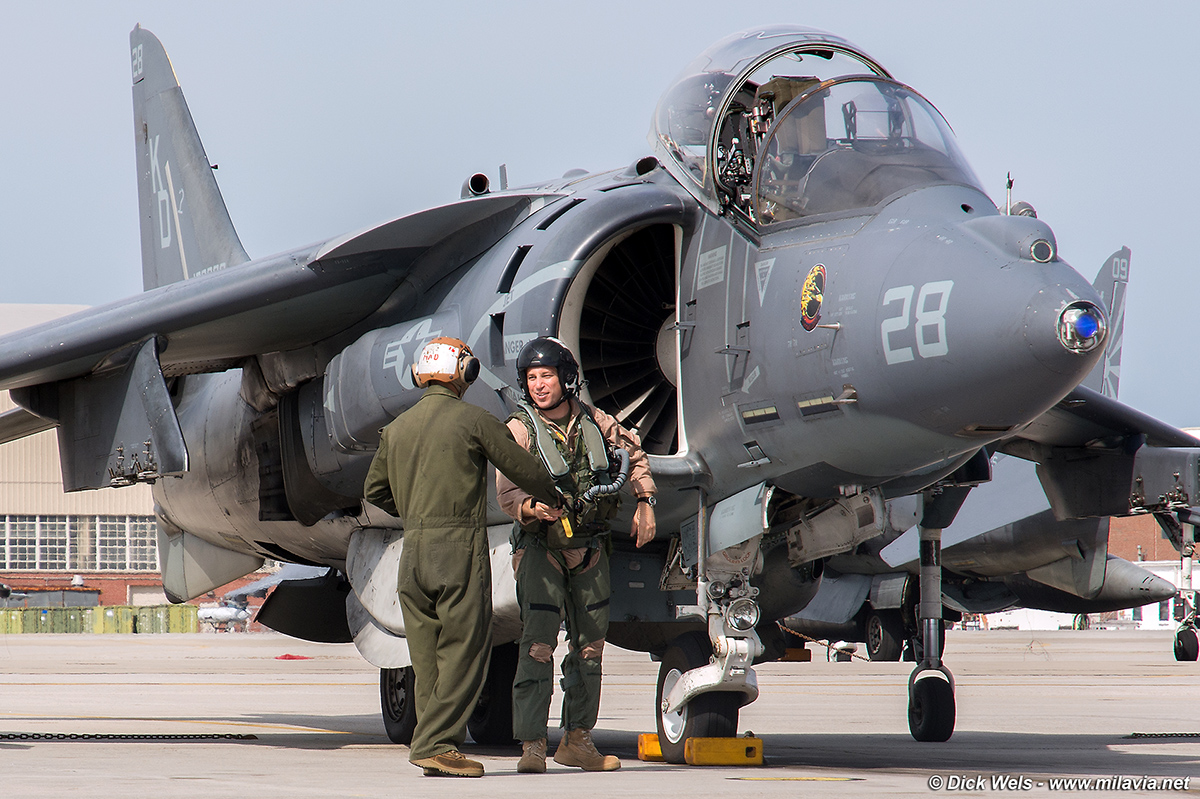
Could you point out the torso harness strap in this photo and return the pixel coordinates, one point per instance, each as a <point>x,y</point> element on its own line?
<point>593,519</point>
<point>551,455</point>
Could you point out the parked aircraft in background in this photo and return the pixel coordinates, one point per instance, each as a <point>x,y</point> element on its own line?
<point>801,298</point>
<point>227,616</point>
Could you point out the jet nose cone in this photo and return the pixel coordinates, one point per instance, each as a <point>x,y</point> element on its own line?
<point>1063,332</point>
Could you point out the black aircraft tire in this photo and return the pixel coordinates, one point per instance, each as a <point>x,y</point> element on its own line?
<point>491,723</point>
<point>709,715</point>
<point>1186,645</point>
<point>931,710</point>
<point>885,635</point>
<point>397,701</point>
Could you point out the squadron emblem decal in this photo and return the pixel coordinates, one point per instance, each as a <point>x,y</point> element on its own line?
<point>810,297</point>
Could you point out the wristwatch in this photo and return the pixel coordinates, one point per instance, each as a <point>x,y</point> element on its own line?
<point>649,499</point>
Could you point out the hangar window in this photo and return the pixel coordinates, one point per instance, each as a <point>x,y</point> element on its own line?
<point>84,543</point>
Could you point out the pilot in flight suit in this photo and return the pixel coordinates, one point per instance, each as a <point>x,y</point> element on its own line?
<point>559,572</point>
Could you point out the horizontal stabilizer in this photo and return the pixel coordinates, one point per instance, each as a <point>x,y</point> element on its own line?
<point>19,423</point>
<point>1086,415</point>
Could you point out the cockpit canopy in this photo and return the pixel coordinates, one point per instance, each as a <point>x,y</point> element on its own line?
<point>783,123</point>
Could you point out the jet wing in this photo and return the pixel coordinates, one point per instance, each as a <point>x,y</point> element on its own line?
<point>212,321</point>
<point>1088,418</point>
<point>1098,457</point>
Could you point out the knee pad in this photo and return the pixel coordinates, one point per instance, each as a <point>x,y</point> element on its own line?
<point>592,651</point>
<point>540,652</point>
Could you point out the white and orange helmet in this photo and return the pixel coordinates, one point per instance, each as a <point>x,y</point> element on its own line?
<point>446,360</point>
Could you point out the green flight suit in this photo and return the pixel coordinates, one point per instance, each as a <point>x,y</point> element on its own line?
<point>430,471</point>
<point>547,590</point>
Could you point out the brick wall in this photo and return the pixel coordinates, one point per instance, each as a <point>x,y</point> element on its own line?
<point>1126,534</point>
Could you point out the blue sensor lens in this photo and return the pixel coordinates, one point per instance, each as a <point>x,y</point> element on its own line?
<point>1086,326</point>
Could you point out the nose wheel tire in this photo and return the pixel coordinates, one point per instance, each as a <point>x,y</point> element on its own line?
<point>931,710</point>
<point>397,701</point>
<point>708,715</point>
<point>1186,645</point>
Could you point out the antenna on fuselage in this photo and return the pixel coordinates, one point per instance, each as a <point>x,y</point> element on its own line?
<point>1008,194</point>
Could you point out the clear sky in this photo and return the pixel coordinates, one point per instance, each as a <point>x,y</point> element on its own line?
<point>327,117</point>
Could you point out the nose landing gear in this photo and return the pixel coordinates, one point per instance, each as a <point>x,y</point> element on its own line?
<point>931,710</point>
<point>713,714</point>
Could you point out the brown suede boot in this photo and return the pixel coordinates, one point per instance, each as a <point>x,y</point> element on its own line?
<point>450,764</point>
<point>533,757</point>
<point>576,749</point>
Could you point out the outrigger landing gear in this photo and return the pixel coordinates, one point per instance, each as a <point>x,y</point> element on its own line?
<point>931,709</point>
<point>1186,645</point>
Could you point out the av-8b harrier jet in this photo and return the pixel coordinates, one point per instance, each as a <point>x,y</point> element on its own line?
<point>800,297</point>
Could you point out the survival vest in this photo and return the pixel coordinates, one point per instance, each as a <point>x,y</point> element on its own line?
<point>575,466</point>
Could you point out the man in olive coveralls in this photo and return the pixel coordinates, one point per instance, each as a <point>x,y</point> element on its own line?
<point>564,569</point>
<point>430,471</point>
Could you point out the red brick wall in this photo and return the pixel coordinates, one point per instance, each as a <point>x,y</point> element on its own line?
<point>1126,533</point>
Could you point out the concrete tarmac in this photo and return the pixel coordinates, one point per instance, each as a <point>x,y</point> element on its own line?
<point>1034,705</point>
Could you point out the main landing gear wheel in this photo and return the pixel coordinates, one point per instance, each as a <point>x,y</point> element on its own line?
<point>708,715</point>
<point>885,635</point>
<point>491,723</point>
<point>1186,645</point>
<point>931,708</point>
<point>398,702</point>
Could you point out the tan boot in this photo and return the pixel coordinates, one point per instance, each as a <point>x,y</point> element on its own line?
<point>533,757</point>
<point>576,749</point>
<point>450,764</point>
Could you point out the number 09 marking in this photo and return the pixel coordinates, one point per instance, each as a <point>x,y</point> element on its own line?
<point>930,322</point>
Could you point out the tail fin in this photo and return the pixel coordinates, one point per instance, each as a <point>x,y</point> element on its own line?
<point>1111,285</point>
<point>186,229</point>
